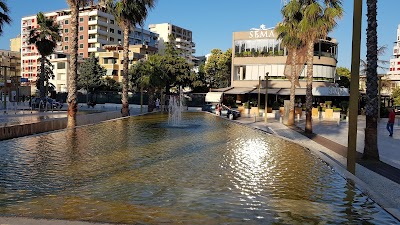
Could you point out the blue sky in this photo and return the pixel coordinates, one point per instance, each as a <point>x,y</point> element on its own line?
<point>213,21</point>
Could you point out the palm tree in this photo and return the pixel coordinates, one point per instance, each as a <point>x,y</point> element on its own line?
<point>128,13</point>
<point>317,21</point>
<point>45,37</point>
<point>371,111</point>
<point>287,32</point>
<point>4,18</point>
<point>73,69</point>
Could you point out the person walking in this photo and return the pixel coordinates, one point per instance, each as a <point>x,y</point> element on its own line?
<point>390,123</point>
<point>158,104</point>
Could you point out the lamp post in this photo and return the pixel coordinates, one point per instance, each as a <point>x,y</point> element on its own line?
<point>259,100</point>
<point>266,97</point>
<point>355,77</point>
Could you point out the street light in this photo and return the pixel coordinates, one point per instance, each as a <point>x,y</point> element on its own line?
<point>266,97</point>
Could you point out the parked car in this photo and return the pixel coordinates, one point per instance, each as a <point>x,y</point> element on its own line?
<point>397,109</point>
<point>209,108</point>
<point>232,114</point>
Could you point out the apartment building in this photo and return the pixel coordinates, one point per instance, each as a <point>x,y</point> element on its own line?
<point>112,59</point>
<point>394,70</point>
<point>183,39</point>
<point>61,63</point>
<point>10,80</point>
<point>15,44</point>
<point>97,28</point>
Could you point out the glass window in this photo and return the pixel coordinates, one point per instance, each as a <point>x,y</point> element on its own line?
<point>66,47</point>
<point>66,22</point>
<point>81,37</point>
<point>65,38</point>
<point>81,28</point>
<point>65,30</point>
<point>61,65</point>
<point>81,19</point>
<point>80,45</point>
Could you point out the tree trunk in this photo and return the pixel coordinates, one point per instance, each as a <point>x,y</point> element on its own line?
<point>150,104</point>
<point>309,97</point>
<point>125,103</point>
<point>292,87</point>
<point>41,78</point>
<point>372,101</point>
<point>73,70</point>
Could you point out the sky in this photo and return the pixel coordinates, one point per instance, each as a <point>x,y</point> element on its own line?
<point>213,21</point>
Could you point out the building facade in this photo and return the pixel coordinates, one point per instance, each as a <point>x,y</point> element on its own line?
<point>257,54</point>
<point>61,64</point>
<point>183,39</point>
<point>112,58</point>
<point>394,70</point>
<point>11,84</point>
<point>97,28</point>
<point>15,44</point>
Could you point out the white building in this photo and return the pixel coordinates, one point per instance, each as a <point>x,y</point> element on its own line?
<point>394,70</point>
<point>183,38</point>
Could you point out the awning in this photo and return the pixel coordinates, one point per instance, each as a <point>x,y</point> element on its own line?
<point>215,97</point>
<point>109,72</point>
<point>221,89</point>
<point>239,90</point>
<point>270,91</point>
<point>286,91</point>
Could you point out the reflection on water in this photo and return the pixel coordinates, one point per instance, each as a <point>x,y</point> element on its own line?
<point>140,170</point>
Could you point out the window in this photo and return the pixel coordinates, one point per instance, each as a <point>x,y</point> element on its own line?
<point>61,65</point>
<point>66,47</point>
<point>119,32</point>
<point>66,39</point>
<point>66,22</point>
<point>81,19</point>
<point>119,40</point>
<point>81,28</point>
<point>112,39</point>
<point>65,30</point>
<point>81,54</point>
<point>92,36</point>
<point>111,30</point>
<point>80,45</point>
<point>112,22</point>
<point>81,37</point>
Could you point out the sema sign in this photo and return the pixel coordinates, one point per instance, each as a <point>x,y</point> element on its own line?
<point>262,34</point>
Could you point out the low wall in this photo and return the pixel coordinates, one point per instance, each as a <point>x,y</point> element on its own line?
<point>53,124</point>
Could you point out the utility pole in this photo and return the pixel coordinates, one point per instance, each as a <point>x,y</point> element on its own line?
<point>355,77</point>
<point>266,97</point>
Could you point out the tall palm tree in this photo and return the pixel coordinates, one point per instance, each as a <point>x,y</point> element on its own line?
<point>45,37</point>
<point>128,13</point>
<point>73,69</point>
<point>371,111</point>
<point>317,21</point>
<point>4,18</point>
<point>287,32</point>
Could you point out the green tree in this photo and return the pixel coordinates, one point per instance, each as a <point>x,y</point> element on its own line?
<point>48,74</point>
<point>371,107</point>
<point>344,75</point>
<point>89,76</point>
<point>45,37</point>
<point>200,82</point>
<point>128,13</point>
<point>218,68</point>
<point>318,19</point>
<point>4,17</point>
<point>287,32</point>
<point>396,95</point>
<point>109,84</point>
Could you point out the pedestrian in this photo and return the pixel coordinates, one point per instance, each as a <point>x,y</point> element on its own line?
<point>158,104</point>
<point>390,123</point>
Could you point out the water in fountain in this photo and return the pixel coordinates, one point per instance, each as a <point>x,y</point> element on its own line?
<point>175,108</point>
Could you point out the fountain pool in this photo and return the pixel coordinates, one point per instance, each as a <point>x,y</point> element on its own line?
<point>139,170</point>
